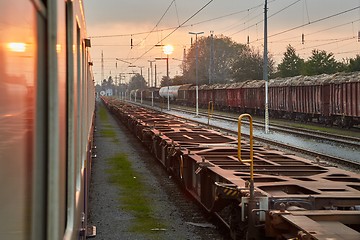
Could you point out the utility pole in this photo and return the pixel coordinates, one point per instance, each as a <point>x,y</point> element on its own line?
<point>211,67</point>
<point>184,58</point>
<point>196,71</point>
<point>151,74</point>
<point>265,74</point>
<point>155,76</point>
<point>102,66</point>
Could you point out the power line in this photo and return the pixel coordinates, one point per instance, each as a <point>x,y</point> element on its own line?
<point>157,24</point>
<point>316,21</point>
<point>197,12</point>
<point>329,43</point>
<point>333,41</point>
<point>177,14</point>
<point>228,28</point>
<point>319,31</point>
<point>172,28</point>
<point>267,18</point>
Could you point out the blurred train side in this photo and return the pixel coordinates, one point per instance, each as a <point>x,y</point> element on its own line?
<point>46,120</point>
<point>331,99</point>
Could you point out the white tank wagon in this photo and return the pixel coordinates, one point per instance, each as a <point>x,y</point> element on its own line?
<point>169,91</point>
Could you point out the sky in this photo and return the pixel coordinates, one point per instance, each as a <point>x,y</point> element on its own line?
<point>329,25</point>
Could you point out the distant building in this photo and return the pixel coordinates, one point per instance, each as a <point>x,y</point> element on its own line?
<point>104,90</point>
<point>108,91</point>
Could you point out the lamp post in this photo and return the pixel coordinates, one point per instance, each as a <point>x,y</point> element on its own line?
<point>196,72</point>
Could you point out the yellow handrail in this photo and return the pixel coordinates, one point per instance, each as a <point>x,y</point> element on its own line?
<point>251,160</point>
<point>210,110</point>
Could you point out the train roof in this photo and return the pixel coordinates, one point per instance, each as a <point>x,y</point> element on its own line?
<point>185,86</point>
<point>254,84</point>
<point>236,85</point>
<point>316,79</point>
<point>221,85</point>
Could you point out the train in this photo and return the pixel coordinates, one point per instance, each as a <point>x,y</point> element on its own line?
<point>256,191</point>
<point>329,99</point>
<point>47,105</point>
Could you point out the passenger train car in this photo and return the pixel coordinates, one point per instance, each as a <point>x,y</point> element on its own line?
<point>46,119</point>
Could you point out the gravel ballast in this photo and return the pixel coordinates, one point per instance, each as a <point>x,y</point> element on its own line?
<point>170,207</point>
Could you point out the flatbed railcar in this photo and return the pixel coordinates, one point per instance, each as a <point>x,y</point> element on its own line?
<point>46,120</point>
<point>275,196</point>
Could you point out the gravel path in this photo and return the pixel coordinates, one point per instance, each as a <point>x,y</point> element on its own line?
<point>169,204</point>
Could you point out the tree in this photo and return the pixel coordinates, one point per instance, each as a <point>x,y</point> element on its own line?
<point>137,82</point>
<point>165,81</point>
<point>110,81</point>
<point>354,64</point>
<point>291,65</point>
<point>249,63</point>
<point>178,80</point>
<point>225,51</point>
<point>321,62</point>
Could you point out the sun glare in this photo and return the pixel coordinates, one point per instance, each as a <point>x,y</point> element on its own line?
<point>168,49</point>
<point>17,47</point>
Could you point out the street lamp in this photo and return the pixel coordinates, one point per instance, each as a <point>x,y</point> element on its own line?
<point>196,72</point>
<point>167,49</point>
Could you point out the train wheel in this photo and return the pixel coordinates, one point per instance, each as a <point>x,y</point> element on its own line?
<point>238,228</point>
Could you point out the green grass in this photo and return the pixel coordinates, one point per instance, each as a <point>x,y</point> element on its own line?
<point>107,132</point>
<point>133,195</point>
<point>103,114</point>
<point>107,129</point>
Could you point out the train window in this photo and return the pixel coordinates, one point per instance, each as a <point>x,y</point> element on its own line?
<point>19,47</point>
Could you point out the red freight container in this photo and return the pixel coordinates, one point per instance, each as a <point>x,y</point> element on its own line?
<point>183,94</point>
<point>345,95</point>
<point>235,95</point>
<point>220,96</point>
<point>254,95</point>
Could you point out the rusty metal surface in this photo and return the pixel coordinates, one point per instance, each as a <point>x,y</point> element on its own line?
<point>205,161</point>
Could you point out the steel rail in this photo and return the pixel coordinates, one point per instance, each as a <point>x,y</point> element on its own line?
<point>323,136</point>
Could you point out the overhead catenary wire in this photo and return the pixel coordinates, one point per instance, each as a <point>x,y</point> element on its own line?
<point>177,13</point>
<point>274,14</point>
<point>159,21</point>
<point>197,12</point>
<point>313,22</point>
<point>316,32</point>
<point>307,34</point>
<point>333,41</point>
<point>172,28</point>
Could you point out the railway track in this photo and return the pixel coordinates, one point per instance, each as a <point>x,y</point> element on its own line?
<point>318,157</point>
<point>278,190</point>
<point>323,136</point>
<point>281,191</point>
<point>321,158</point>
